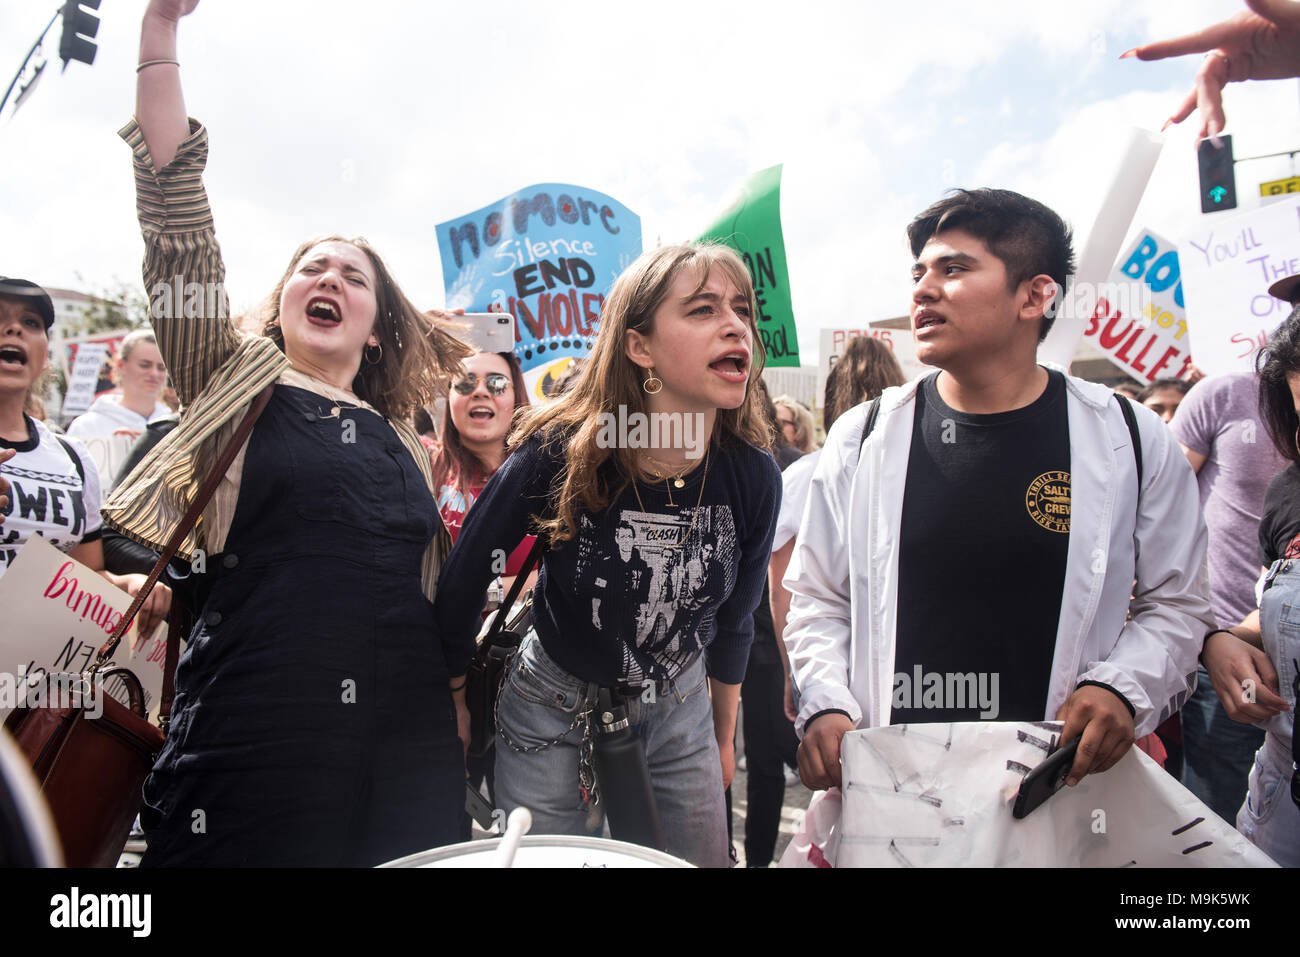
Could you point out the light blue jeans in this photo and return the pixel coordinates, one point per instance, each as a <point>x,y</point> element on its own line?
<point>541,703</point>
<point>1269,818</point>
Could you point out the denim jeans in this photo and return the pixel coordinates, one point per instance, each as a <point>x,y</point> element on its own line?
<point>1217,751</point>
<point>542,706</point>
<point>1268,818</point>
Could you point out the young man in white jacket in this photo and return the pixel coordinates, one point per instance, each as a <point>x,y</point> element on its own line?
<point>973,558</point>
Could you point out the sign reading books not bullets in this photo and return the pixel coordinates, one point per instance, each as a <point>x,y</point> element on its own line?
<point>547,254</point>
<point>1138,320</point>
<point>58,614</point>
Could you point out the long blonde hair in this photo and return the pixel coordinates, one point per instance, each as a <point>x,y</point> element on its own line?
<point>572,424</point>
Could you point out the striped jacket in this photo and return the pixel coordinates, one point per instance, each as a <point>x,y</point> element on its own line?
<point>217,371</point>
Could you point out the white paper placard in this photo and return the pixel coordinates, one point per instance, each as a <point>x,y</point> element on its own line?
<point>57,615</point>
<point>940,795</point>
<point>1227,268</point>
<point>1137,319</point>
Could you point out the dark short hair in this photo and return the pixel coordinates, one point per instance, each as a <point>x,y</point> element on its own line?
<point>1178,385</point>
<point>1278,359</point>
<point>1029,238</point>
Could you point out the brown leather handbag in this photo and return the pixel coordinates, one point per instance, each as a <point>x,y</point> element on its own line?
<point>91,766</point>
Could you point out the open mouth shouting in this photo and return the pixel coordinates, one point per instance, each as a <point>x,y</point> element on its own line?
<point>732,366</point>
<point>481,413</point>
<point>324,311</point>
<point>12,357</point>
<point>926,319</point>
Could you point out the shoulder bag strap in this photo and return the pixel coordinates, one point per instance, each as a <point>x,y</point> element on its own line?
<point>1131,421</point>
<point>498,623</point>
<point>186,523</point>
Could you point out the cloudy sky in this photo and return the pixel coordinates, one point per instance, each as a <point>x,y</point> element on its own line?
<point>385,118</point>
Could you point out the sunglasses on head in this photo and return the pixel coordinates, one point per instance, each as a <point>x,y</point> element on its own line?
<point>495,382</point>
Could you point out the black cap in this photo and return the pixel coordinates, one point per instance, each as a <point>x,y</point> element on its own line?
<point>26,289</point>
<point>1288,289</point>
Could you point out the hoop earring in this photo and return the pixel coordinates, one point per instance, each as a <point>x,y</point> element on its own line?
<point>378,357</point>
<point>653,385</point>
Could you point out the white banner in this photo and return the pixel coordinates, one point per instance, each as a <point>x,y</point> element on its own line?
<point>1227,267</point>
<point>941,795</point>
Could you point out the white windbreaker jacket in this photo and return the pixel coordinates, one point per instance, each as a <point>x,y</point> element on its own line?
<point>843,575</point>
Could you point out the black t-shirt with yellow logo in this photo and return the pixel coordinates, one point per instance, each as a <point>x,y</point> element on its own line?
<point>985,531</point>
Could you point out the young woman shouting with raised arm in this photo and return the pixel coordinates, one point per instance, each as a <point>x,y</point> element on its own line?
<point>314,722</point>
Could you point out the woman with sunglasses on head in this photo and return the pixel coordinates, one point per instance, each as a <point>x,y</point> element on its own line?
<point>657,544</point>
<point>1255,665</point>
<point>315,720</point>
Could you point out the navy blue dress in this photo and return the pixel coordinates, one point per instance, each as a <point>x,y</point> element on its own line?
<point>312,724</point>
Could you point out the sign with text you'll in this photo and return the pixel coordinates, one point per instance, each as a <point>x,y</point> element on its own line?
<point>1228,265</point>
<point>752,227</point>
<point>547,254</point>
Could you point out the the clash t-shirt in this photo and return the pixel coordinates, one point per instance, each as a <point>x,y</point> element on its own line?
<point>658,576</point>
<point>47,494</point>
<point>984,536</point>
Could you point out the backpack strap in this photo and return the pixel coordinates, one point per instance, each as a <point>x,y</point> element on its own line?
<point>1125,406</point>
<point>873,413</point>
<point>76,459</point>
<point>1130,420</point>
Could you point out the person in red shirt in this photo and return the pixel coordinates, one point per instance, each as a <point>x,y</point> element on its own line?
<point>480,407</point>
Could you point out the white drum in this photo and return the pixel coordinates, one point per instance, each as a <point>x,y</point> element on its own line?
<point>545,850</point>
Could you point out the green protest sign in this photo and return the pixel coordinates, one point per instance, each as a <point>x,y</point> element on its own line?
<point>752,227</point>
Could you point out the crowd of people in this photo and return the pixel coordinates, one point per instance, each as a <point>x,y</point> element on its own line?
<point>950,523</point>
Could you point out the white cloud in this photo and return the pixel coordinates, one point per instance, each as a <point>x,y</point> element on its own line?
<point>386,118</point>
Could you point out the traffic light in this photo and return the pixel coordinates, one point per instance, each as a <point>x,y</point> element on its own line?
<point>1218,180</point>
<point>79,26</point>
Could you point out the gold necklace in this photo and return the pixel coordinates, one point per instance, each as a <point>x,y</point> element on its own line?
<point>674,472</point>
<point>694,514</point>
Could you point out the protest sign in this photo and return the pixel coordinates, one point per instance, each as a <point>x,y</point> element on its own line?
<point>1227,266</point>
<point>1136,161</point>
<point>751,225</point>
<point>832,343</point>
<point>108,452</point>
<point>1137,319</point>
<point>112,342</point>
<point>58,614</point>
<point>84,378</point>
<point>546,254</point>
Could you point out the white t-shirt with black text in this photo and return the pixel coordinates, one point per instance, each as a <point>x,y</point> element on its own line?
<point>47,494</point>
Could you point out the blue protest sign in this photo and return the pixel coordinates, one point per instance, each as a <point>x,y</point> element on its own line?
<point>547,254</point>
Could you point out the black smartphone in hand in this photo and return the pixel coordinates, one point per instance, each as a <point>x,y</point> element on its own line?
<point>1045,780</point>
